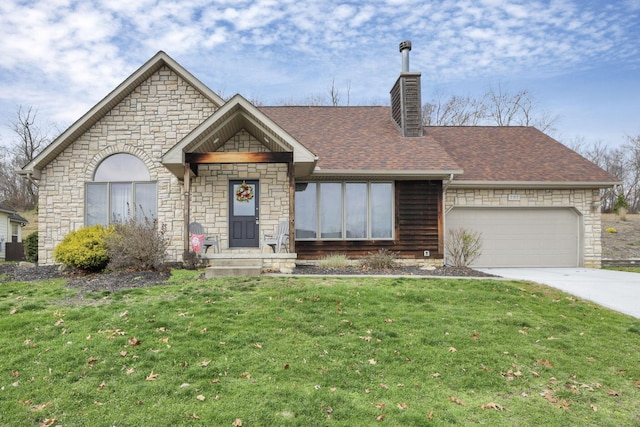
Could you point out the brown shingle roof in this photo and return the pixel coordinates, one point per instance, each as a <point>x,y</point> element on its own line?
<point>364,138</point>
<point>359,139</point>
<point>515,154</point>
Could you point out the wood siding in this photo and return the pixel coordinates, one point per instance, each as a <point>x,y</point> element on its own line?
<point>418,227</point>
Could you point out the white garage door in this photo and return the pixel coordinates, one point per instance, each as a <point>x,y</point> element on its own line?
<point>513,237</point>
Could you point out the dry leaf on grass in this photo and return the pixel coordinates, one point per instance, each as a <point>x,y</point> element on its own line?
<point>152,377</point>
<point>547,395</point>
<point>380,417</point>
<point>37,408</point>
<point>237,423</point>
<point>545,362</point>
<point>456,401</point>
<point>493,405</point>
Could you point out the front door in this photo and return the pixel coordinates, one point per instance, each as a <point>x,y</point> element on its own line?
<point>244,214</point>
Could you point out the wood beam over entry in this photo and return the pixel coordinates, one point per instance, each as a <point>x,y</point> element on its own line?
<point>192,160</point>
<point>246,157</point>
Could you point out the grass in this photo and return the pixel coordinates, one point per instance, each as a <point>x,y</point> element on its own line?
<point>628,269</point>
<point>334,261</point>
<point>316,352</point>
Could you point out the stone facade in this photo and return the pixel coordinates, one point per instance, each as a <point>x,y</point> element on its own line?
<point>210,190</point>
<point>585,201</point>
<point>153,118</point>
<point>147,123</point>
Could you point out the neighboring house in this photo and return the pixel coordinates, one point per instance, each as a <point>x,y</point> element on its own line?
<point>347,179</point>
<point>11,224</point>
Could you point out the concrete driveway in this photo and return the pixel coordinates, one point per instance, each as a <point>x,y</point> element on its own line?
<point>616,290</point>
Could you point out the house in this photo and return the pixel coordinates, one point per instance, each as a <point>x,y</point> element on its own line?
<point>11,224</point>
<point>347,179</point>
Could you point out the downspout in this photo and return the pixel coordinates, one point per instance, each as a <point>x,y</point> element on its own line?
<point>445,186</point>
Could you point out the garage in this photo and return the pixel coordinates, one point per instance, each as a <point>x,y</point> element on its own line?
<point>522,237</point>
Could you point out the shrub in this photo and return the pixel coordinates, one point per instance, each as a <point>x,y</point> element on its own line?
<point>193,261</point>
<point>384,259</point>
<point>334,261</point>
<point>84,249</point>
<point>31,247</point>
<point>621,203</point>
<point>611,230</point>
<point>622,213</point>
<point>463,247</point>
<point>137,244</point>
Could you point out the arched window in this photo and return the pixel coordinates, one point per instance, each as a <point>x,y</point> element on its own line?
<point>121,188</point>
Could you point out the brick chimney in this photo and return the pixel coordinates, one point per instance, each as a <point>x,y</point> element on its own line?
<point>406,103</point>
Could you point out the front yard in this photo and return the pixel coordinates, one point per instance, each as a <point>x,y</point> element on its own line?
<point>314,351</point>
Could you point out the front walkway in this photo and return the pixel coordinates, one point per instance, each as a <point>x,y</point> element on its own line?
<point>617,290</point>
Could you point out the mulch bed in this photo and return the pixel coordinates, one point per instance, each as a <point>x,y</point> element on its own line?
<point>113,281</point>
<point>398,271</point>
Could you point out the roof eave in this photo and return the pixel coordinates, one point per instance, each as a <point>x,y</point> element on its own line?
<point>533,184</point>
<point>108,102</point>
<point>385,174</point>
<point>303,159</point>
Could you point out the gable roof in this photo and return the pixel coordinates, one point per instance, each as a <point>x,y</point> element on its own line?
<point>125,88</point>
<point>14,216</point>
<point>335,142</point>
<point>362,141</point>
<point>224,123</point>
<point>517,155</point>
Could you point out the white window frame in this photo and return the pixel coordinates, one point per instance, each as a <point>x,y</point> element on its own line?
<point>133,204</point>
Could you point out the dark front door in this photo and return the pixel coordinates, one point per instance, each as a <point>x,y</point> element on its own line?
<point>243,214</point>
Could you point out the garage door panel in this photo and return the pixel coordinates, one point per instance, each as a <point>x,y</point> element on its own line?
<point>522,237</point>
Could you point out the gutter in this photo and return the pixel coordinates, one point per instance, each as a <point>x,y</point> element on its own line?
<point>534,184</point>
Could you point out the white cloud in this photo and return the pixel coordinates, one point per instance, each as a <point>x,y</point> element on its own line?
<point>86,48</point>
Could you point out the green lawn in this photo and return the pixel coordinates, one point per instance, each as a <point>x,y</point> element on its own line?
<point>314,352</point>
<point>629,269</point>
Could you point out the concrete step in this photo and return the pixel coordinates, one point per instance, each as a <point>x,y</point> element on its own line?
<point>233,267</point>
<point>235,262</point>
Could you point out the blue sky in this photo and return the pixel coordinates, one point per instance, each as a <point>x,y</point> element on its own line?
<point>579,58</point>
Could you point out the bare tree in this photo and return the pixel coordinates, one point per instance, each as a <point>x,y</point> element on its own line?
<point>30,139</point>
<point>496,107</point>
<point>622,162</point>
<point>334,93</point>
<point>454,111</point>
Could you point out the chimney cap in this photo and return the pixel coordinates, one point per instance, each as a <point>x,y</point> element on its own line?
<point>405,45</point>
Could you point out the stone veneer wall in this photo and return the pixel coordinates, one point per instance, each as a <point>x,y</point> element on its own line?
<point>153,118</point>
<point>586,202</point>
<point>210,190</point>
